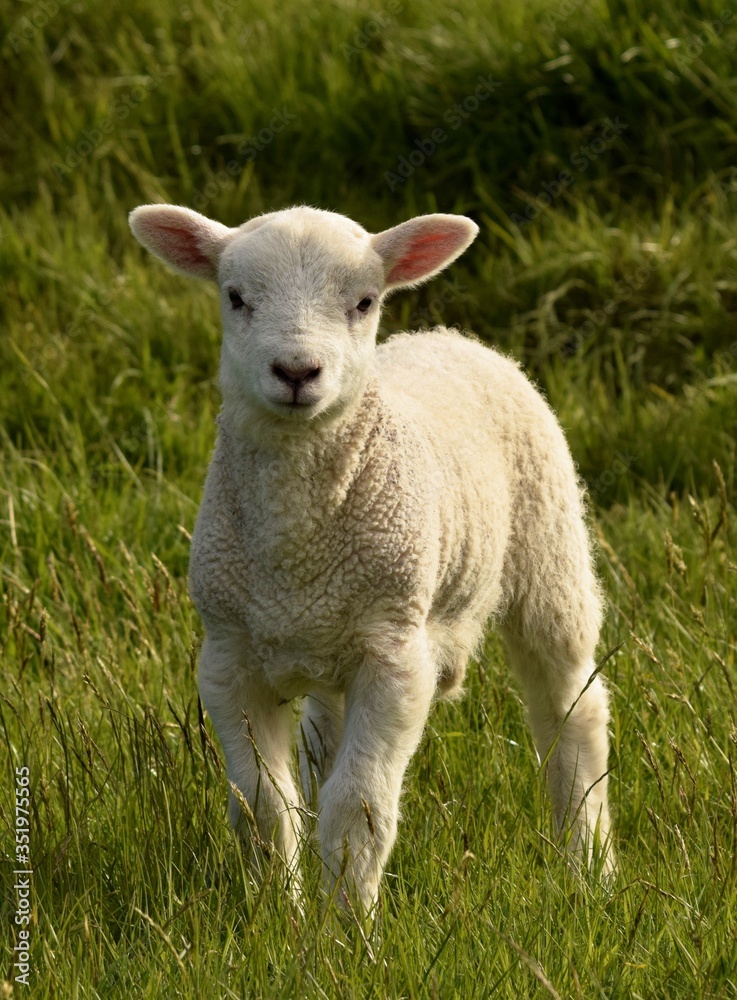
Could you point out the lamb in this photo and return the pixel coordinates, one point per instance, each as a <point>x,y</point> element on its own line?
<point>367,511</point>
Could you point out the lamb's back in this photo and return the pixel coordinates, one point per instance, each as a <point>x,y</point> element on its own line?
<point>509,488</point>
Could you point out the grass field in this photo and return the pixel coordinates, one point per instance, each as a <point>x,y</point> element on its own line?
<point>600,160</point>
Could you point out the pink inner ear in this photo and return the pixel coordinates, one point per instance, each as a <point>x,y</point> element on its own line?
<point>182,247</point>
<point>426,253</point>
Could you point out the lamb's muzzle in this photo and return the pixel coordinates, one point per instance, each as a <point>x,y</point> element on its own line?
<point>296,378</point>
<point>352,546</point>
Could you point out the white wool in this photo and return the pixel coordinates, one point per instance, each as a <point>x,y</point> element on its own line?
<point>366,513</point>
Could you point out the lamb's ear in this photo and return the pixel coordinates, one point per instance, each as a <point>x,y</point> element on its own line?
<point>183,239</point>
<point>418,249</point>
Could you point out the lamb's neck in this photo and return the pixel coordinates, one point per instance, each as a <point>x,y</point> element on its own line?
<point>316,466</point>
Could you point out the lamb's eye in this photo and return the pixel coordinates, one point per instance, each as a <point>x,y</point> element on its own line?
<point>364,305</point>
<point>235,300</point>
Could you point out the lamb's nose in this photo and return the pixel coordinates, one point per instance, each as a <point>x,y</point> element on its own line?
<point>295,377</point>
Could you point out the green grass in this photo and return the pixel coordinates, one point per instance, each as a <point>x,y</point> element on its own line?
<point>620,297</point>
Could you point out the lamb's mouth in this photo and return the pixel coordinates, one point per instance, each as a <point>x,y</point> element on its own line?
<point>302,403</point>
<point>294,409</point>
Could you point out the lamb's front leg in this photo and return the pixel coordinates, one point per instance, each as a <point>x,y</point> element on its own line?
<point>256,731</point>
<point>387,705</point>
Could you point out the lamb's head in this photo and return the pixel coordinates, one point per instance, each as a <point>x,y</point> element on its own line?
<point>301,292</point>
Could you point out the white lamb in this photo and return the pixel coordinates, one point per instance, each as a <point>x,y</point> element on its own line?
<point>366,512</point>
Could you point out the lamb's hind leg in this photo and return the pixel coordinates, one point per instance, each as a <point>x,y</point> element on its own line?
<point>320,733</point>
<point>569,713</point>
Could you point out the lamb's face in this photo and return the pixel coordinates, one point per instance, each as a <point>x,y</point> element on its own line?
<point>301,292</point>
<point>300,296</point>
